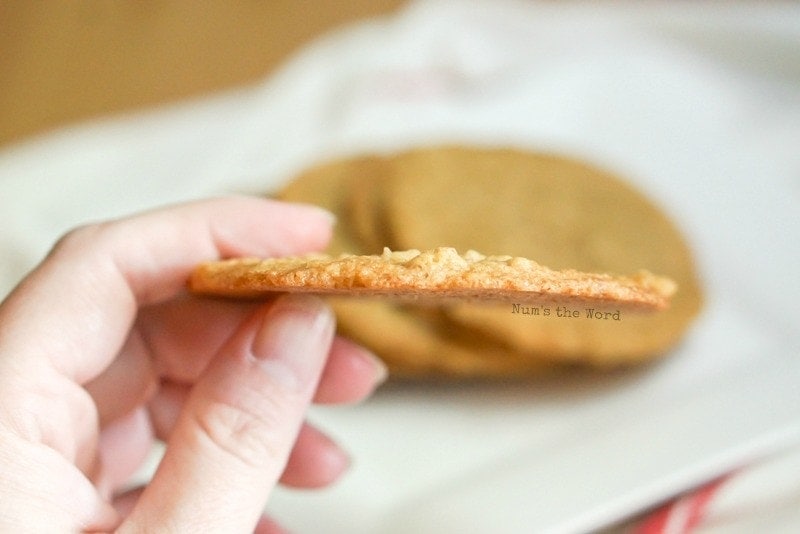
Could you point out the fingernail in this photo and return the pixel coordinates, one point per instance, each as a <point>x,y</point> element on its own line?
<point>338,462</point>
<point>294,339</point>
<point>328,215</point>
<point>381,371</point>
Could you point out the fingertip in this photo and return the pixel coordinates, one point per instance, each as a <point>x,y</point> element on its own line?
<point>351,374</point>
<point>304,227</point>
<point>257,226</point>
<point>294,339</point>
<point>267,525</point>
<point>328,217</point>
<point>316,461</point>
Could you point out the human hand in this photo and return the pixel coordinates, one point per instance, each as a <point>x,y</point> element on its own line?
<point>101,351</point>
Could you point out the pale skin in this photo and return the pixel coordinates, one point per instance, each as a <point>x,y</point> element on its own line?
<point>102,351</point>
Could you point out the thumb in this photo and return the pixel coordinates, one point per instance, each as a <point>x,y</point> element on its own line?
<point>240,423</point>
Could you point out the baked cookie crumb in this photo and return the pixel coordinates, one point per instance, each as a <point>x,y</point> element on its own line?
<point>438,274</point>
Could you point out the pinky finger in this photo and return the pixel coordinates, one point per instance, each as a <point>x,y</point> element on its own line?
<point>315,461</point>
<point>124,502</point>
<point>267,525</point>
<point>351,374</point>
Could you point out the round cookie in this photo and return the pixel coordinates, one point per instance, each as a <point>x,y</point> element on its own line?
<point>329,186</point>
<point>415,346</point>
<point>564,214</point>
<point>552,209</point>
<point>411,345</point>
<point>364,212</point>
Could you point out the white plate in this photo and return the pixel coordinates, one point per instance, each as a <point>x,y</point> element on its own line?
<point>696,104</point>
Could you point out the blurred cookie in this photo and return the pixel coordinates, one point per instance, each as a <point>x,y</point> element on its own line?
<point>364,215</point>
<point>562,212</point>
<point>329,186</point>
<point>415,345</point>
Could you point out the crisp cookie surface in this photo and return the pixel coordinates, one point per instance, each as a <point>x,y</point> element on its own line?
<point>436,274</point>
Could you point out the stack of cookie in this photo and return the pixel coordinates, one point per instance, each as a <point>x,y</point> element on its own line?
<point>563,213</point>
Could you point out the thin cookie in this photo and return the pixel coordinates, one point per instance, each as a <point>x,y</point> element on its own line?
<point>437,275</point>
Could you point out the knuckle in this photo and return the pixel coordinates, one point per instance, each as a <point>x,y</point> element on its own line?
<point>90,244</point>
<point>248,432</point>
<point>78,238</point>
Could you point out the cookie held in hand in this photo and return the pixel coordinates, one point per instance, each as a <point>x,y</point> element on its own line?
<point>439,274</point>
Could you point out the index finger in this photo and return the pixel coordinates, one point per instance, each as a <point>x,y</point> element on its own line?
<point>74,311</point>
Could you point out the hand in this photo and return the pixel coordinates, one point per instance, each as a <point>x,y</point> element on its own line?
<point>101,351</point>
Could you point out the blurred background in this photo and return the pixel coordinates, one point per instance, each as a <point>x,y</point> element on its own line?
<point>63,61</point>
